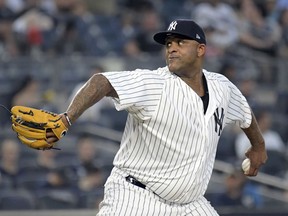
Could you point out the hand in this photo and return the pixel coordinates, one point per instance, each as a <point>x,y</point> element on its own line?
<point>51,137</point>
<point>257,157</point>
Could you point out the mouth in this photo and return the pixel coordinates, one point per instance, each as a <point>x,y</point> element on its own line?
<point>172,58</point>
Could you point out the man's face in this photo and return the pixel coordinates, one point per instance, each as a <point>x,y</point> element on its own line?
<point>182,55</point>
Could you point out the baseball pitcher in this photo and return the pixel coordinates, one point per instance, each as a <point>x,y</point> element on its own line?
<point>176,116</point>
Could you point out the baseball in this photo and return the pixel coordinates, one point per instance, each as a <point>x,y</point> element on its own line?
<point>246,165</point>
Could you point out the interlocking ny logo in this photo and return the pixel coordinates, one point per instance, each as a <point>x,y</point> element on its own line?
<point>218,120</point>
<point>172,26</point>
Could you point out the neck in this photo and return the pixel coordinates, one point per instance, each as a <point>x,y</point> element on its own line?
<point>192,73</point>
<point>195,82</point>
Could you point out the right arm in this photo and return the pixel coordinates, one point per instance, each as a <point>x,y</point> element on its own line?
<point>91,92</point>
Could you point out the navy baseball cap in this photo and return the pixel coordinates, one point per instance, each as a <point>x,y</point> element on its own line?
<point>183,28</point>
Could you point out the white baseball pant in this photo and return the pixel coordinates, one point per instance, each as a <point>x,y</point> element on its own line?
<point>125,199</point>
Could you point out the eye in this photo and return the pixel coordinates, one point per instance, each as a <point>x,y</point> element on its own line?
<point>168,43</point>
<point>181,42</point>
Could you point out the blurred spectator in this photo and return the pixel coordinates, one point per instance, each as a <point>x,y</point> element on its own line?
<point>32,92</point>
<point>283,21</point>
<point>226,146</point>
<point>56,179</point>
<point>256,31</point>
<point>9,165</point>
<point>80,31</point>
<point>94,152</point>
<point>103,7</point>
<point>56,192</point>
<point>229,70</point>
<point>282,4</point>
<point>170,9</point>
<point>92,180</point>
<point>137,5</point>
<point>33,27</point>
<point>91,188</point>
<point>149,23</point>
<point>259,39</point>
<point>87,155</point>
<point>238,192</point>
<point>92,170</point>
<point>66,38</point>
<point>275,146</point>
<point>85,34</point>
<point>220,24</point>
<point>35,170</point>
<point>128,23</point>
<point>268,8</point>
<point>29,93</point>
<point>128,30</point>
<point>8,46</point>
<point>48,5</point>
<point>46,160</point>
<point>247,86</point>
<point>15,5</point>
<point>282,101</point>
<point>5,12</point>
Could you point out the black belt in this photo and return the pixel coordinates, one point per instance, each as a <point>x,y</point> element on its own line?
<point>134,181</point>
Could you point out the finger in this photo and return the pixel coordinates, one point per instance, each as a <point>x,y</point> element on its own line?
<point>52,140</point>
<point>252,172</point>
<point>247,153</point>
<point>50,134</point>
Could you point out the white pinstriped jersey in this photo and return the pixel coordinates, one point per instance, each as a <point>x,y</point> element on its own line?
<point>168,143</point>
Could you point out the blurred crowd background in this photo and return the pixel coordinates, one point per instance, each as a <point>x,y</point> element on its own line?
<point>49,48</point>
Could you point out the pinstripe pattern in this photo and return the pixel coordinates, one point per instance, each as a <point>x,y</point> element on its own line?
<point>122,199</point>
<point>168,143</point>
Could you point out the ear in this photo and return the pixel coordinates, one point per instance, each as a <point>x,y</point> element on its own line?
<point>201,50</point>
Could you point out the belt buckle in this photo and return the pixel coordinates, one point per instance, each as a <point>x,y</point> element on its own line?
<point>130,179</point>
<point>134,181</point>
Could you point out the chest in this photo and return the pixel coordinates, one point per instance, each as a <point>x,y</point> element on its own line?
<point>180,103</point>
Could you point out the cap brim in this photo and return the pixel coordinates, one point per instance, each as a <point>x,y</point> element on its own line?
<point>161,37</point>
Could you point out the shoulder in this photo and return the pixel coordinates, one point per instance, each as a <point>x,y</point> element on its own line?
<point>134,73</point>
<point>220,81</point>
<point>139,75</point>
<point>213,76</point>
<point>161,71</point>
